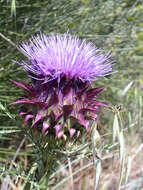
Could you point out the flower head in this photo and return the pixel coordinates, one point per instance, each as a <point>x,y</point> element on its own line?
<point>62,68</point>
<point>64,55</point>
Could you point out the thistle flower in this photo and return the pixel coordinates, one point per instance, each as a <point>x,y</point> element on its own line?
<point>62,68</point>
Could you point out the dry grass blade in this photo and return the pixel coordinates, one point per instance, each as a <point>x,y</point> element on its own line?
<point>32,170</point>
<point>127,88</point>
<point>68,177</point>
<point>7,179</point>
<point>140,110</point>
<point>122,158</point>
<point>129,163</point>
<point>122,146</point>
<point>97,175</point>
<point>96,154</point>
<point>116,128</point>
<point>70,172</point>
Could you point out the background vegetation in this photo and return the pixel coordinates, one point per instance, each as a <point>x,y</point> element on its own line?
<point>114,25</point>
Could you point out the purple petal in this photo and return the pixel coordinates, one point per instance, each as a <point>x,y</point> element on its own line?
<point>45,127</point>
<point>93,115</point>
<point>66,55</point>
<point>72,132</point>
<point>86,125</point>
<point>38,117</point>
<point>22,113</point>
<point>27,117</point>
<point>60,134</point>
<point>94,91</point>
<point>97,103</point>
<point>23,101</point>
<point>78,134</point>
<point>28,101</point>
<point>26,87</point>
<point>94,108</point>
<point>57,128</point>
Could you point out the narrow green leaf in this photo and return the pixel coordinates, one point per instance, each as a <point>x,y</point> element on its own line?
<point>5,111</point>
<point>13,8</point>
<point>9,131</point>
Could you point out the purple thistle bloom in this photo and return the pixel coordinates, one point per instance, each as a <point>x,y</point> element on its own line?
<point>64,55</point>
<point>62,68</point>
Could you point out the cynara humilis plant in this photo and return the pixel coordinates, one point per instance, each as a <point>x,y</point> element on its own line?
<point>61,101</point>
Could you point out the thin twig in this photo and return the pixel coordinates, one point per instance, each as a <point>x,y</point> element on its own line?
<point>17,151</point>
<point>8,40</point>
<point>13,44</point>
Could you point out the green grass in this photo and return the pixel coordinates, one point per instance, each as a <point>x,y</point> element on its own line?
<point>115,144</point>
